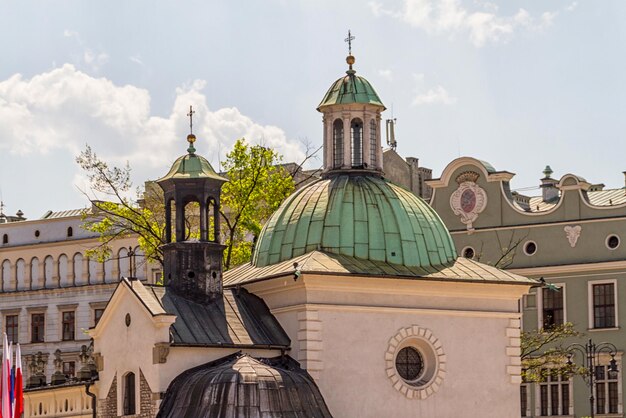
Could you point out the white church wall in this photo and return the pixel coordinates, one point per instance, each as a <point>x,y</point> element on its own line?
<point>341,328</point>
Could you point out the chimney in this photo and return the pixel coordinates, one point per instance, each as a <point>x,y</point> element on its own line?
<point>549,191</point>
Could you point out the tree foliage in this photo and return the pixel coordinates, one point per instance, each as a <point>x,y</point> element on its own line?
<point>117,215</point>
<point>257,185</point>
<point>542,352</point>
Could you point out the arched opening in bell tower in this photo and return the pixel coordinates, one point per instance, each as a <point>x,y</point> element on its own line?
<point>337,143</point>
<point>356,136</point>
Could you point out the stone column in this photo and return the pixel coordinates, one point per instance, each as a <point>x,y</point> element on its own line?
<point>365,144</point>
<point>85,278</point>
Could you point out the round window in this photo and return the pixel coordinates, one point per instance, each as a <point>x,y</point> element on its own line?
<point>530,248</point>
<point>409,363</point>
<point>37,234</point>
<point>612,241</point>
<point>415,362</point>
<point>468,252</point>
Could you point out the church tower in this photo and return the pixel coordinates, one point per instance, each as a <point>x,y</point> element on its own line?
<point>192,265</point>
<point>351,110</point>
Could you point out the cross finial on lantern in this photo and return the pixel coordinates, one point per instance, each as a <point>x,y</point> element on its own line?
<point>349,40</point>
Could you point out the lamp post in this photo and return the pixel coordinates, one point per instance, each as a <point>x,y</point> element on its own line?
<point>590,353</point>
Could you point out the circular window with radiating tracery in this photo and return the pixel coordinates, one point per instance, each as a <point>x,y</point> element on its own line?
<point>409,363</point>
<point>415,362</point>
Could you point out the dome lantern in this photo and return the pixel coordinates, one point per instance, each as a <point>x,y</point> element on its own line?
<point>352,115</point>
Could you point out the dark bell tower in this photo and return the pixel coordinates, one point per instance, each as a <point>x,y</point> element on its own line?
<point>193,265</point>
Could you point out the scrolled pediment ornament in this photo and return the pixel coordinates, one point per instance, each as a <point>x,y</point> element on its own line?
<point>469,199</point>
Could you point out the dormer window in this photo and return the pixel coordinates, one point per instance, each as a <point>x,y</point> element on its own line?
<point>356,136</point>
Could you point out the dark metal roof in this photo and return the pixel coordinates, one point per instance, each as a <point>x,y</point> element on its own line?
<point>239,318</point>
<point>242,386</point>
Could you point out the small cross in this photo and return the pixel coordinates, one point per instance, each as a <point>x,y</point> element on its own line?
<point>190,114</point>
<point>349,40</point>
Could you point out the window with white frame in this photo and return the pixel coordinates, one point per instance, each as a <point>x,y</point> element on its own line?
<point>555,393</point>
<point>602,304</point>
<point>607,390</point>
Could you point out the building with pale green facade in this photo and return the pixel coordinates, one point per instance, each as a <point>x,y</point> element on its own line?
<point>569,234</point>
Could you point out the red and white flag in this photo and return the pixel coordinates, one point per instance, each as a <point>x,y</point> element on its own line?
<point>5,401</point>
<point>18,408</point>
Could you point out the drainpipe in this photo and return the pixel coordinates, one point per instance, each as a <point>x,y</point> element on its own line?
<point>93,400</point>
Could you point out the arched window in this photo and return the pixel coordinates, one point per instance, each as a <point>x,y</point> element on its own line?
<point>129,394</point>
<point>70,232</point>
<point>5,239</point>
<point>356,136</point>
<point>337,143</point>
<point>373,145</point>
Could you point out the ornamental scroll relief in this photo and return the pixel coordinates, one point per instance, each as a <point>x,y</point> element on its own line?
<point>469,199</point>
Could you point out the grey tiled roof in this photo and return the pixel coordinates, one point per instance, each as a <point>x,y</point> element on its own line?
<point>239,318</point>
<point>319,262</point>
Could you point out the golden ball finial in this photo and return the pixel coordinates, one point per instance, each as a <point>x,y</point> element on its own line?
<point>350,59</point>
<point>191,138</point>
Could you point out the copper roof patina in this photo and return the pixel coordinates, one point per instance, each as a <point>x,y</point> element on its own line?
<point>350,89</point>
<point>191,166</point>
<point>358,216</point>
<point>243,386</point>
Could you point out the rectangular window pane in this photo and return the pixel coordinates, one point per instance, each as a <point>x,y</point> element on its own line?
<point>613,399</point>
<point>554,399</point>
<point>565,399</point>
<point>552,308</point>
<point>97,314</point>
<point>37,327</point>
<point>604,305</point>
<point>68,326</point>
<point>11,328</point>
<point>600,398</point>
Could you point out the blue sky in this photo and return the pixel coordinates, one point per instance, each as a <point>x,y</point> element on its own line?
<point>520,84</point>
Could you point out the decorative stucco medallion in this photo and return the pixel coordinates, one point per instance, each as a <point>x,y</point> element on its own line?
<point>469,200</point>
<point>572,233</point>
<point>420,376</point>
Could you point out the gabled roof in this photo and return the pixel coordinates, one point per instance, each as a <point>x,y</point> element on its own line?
<point>319,262</point>
<point>237,319</point>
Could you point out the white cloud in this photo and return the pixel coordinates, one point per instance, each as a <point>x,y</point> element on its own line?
<point>386,74</point>
<point>437,95</point>
<point>451,17</point>
<point>136,59</point>
<point>64,109</point>
<point>571,7</point>
<point>90,58</point>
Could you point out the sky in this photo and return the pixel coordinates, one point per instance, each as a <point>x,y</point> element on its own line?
<point>520,84</point>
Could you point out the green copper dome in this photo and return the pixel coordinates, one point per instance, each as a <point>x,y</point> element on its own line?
<point>359,216</point>
<point>350,89</point>
<point>191,166</point>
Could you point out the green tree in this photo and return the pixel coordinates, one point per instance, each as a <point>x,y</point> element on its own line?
<point>257,186</point>
<point>258,183</point>
<point>542,352</point>
<point>114,214</point>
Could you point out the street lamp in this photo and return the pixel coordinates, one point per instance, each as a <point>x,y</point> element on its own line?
<point>590,353</point>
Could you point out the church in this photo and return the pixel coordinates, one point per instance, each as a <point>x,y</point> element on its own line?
<point>354,304</point>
